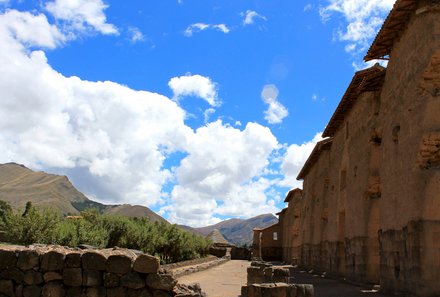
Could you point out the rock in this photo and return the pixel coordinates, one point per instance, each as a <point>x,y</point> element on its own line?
<point>111,280</point>
<point>7,288</point>
<point>52,260</point>
<point>164,282</point>
<point>139,293</point>
<point>92,260</point>
<point>96,292</point>
<point>72,277</point>
<point>159,293</point>
<point>116,292</point>
<point>32,277</point>
<point>14,274</point>
<point>191,290</point>
<point>75,292</point>
<point>73,260</point>
<point>8,259</point>
<point>92,278</point>
<point>28,259</point>
<point>132,281</point>
<point>31,291</point>
<point>52,276</point>
<point>53,289</point>
<point>146,264</point>
<point>119,264</point>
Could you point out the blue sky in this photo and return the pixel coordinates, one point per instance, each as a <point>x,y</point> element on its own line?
<point>200,110</point>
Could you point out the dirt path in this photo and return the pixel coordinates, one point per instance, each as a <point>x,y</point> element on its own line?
<point>225,280</point>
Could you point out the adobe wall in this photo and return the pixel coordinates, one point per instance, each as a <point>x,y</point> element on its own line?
<point>271,249</point>
<point>410,219</point>
<point>56,271</point>
<point>291,230</point>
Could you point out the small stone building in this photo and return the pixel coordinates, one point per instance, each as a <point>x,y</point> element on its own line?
<point>369,210</point>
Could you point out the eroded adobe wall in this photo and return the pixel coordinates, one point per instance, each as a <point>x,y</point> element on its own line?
<point>271,244</point>
<point>292,230</point>
<point>57,271</point>
<point>410,216</point>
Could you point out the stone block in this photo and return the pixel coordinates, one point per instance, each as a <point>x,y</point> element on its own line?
<point>72,277</point>
<point>28,259</point>
<point>53,289</point>
<point>7,288</point>
<point>118,264</point>
<point>139,293</point>
<point>8,259</point>
<point>132,281</point>
<point>304,291</point>
<point>32,277</point>
<point>111,280</point>
<point>92,260</point>
<point>164,282</point>
<point>31,291</point>
<point>96,292</point>
<point>116,292</point>
<point>92,278</point>
<point>52,260</point>
<point>73,260</point>
<point>75,292</point>
<point>146,264</point>
<point>14,274</point>
<point>51,276</point>
<point>160,293</point>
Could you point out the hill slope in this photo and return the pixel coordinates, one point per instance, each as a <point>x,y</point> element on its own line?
<point>239,231</point>
<point>19,184</point>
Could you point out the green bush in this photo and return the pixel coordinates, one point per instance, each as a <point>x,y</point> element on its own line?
<point>163,240</point>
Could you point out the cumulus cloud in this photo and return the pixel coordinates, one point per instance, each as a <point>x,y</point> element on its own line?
<point>223,177</point>
<point>294,159</point>
<point>113,141</point>
<point>276,112</point>
<point>195,85</point>
<point>198,27</point>
<point>82,15</point>
<point>250,16</point>
<point>30,29</point>
<point>363,18</point>
<point>119,136</point>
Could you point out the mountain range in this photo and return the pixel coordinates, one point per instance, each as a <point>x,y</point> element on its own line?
<point>19,184</point>
<point>237,231</point>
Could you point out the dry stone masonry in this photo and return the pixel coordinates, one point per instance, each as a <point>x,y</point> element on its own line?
<point>55,271</point>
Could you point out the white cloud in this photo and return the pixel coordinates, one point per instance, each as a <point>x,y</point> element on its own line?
<point>82,15</point>
<point>217,176</point>
<point>250,16</point>
<point>198,27</point>
<point>308,7</point>
<point>117,137</point>
<point>363,19</point>
<point>195,85</point>
<point>32,30</point>
<point>207,113</point>
<point>276,112</point>
<point>135,34</point>
<point>294,159</point>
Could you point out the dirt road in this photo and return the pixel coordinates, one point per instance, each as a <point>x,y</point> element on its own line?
<point>225,280</point>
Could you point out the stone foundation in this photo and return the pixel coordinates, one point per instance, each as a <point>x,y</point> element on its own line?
<point>55,271</point>
<point>277,290</point>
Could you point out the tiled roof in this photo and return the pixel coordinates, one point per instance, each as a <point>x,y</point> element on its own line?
<point>314,156</point>
<point>391,29</point>
<point>369,79</point>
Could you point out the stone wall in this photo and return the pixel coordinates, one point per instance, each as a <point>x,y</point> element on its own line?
<point>265,279</point>
<point>55,271</point>
<point>278,290</point>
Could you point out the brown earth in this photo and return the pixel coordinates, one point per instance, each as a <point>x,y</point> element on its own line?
<point>227,279</point>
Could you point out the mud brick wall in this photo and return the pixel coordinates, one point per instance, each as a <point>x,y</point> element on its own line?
<point>277,289</point>
<point>55,271</point>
